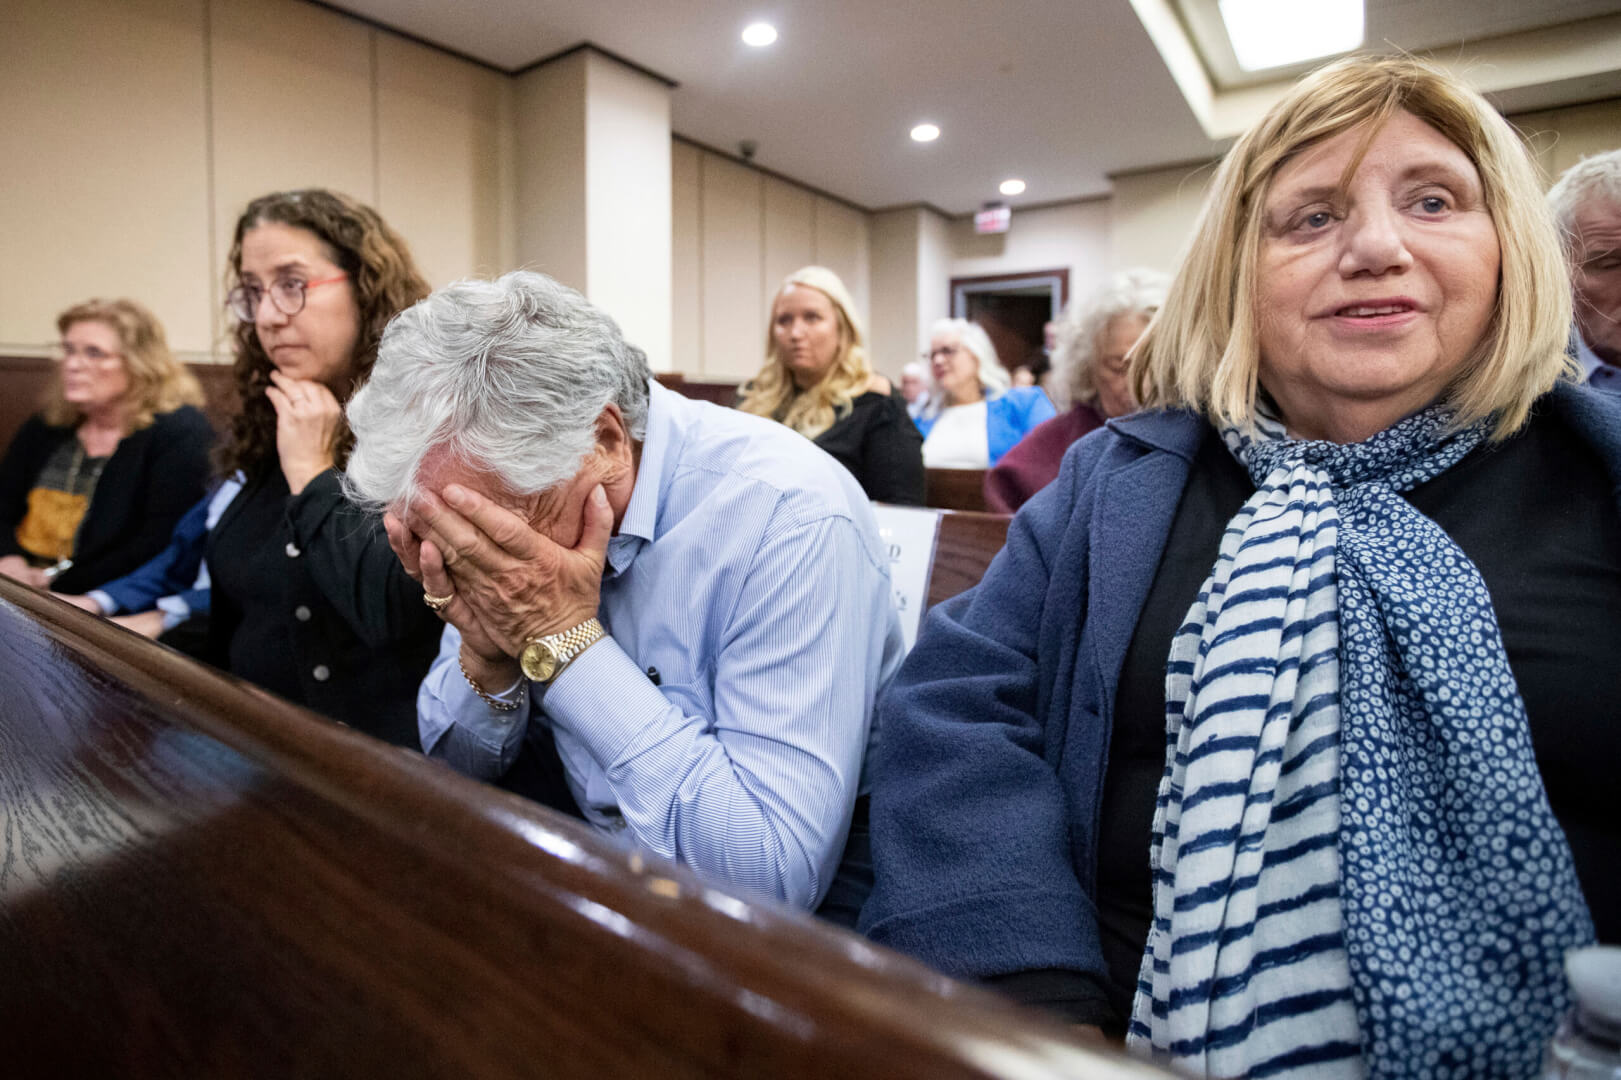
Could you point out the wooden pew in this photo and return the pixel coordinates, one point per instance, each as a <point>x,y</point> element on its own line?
<point>197,879</point>
<point>963,548</point>
<point>23,380</point>
<point>954,489</point>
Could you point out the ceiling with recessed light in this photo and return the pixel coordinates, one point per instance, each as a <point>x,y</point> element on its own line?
<point>1059,93</point>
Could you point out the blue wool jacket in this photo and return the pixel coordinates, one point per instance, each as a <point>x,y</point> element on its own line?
<point>996,730</point>
<point>1008,418</point>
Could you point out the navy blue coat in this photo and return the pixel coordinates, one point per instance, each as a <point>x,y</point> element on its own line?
<point>995,732</point>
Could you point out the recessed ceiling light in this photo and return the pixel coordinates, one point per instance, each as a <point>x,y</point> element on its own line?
<point>1012,187</point>
<point>925,133</point>
<point>759,34</point>
<point>1272,33</point>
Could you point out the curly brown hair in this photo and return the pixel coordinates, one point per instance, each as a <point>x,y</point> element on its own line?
<point>386,282</point>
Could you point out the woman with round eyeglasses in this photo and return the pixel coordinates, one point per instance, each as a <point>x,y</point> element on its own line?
<point>976,414</point>
<point>91,486</point>
<point>307,598</point>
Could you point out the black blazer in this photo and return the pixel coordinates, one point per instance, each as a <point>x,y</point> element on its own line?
<point>153,477</point>
<point>361,637</point>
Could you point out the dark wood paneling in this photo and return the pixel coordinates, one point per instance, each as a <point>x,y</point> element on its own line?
<point>23,381</point>
<point>963,548</point>
<point>954,489</point>
<point>199,880</point>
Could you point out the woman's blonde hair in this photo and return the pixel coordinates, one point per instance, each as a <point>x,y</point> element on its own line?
<point>158,383</point>
<point>772,392</point>
<point>1202,350</point>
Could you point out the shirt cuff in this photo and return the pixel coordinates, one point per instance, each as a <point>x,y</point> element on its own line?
<point>603,699</point>
<point>462,707</point>
<point>175,611</point>
<point>104,601</point>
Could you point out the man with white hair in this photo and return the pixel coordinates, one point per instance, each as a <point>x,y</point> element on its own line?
<point>1587,203</point>
<point>692,602</point>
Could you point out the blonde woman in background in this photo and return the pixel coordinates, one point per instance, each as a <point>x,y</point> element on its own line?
<point>818,380</point>
<point>976,415</point>
<point>92,486</point>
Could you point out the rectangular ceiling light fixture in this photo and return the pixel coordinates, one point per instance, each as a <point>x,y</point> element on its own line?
<point>1276,33</point>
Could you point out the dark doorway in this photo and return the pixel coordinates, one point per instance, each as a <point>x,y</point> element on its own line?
<point>1013,309</point>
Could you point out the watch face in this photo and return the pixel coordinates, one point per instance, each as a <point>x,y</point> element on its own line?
<point>538,662</point>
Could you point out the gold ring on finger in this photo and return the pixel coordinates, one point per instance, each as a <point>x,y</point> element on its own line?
<point>438,603</point>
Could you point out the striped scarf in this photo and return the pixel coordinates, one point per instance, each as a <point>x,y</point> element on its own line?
<point>1371,881</point>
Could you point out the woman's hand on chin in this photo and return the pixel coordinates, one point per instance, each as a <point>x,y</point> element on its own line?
<point>307,422</point>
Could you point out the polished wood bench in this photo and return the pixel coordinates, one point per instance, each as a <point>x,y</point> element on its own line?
<point>197,879</point>
<point>954,489</point>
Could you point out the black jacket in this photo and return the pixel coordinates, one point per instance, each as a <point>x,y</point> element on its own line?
<point>346,632</point>
<point>153,477</point>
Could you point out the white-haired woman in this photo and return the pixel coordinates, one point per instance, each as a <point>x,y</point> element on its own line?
<point>818,380</point>
<point>975,415</point>
<point>1092,340</point>
<point>1587,204</point>
<point>1274,733</point>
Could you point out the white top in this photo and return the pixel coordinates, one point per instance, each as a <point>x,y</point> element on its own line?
<point>958,439</point>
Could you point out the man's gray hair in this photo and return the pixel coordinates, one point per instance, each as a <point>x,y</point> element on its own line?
<point>1075,345</point>
<point>509,375</point>
<point>1596,177</point>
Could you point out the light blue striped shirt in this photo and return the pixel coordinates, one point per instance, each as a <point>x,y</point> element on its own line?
<point>747,571</point>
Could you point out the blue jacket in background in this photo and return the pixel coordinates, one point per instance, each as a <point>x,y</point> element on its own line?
<point>174,570</point>
<point>989,777</point>
<point>1008,418</point>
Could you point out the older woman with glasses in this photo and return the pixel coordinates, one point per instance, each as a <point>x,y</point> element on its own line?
<point>91,486</point>
<point>1091,343</point>
<point>975,414</point>
<point>307,597</point>
<point>1281,733</point>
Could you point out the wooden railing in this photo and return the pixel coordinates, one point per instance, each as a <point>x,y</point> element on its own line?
<point>197,879</point>
<point>954,489</point>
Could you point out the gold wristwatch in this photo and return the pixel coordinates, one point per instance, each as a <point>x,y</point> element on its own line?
<point>544,658</point>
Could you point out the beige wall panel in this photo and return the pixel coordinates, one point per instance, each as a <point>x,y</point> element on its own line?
<point>627,202</point>
<point>1153,214</point>
<point>686,262</point>
<point>549,128</point>
<point>103,151</point>
<point>1075,236</point>
<point>1559,138</point>
<point>935,264</point>
<point>292,105</point>
<point>733,318</point>
<point>894,270</point>
<point>842,243</point>
<point>439,158</point>
<point>790,232</point>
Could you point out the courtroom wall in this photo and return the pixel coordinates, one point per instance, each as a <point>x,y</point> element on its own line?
<point>133,132</point>
<point>737,232</point>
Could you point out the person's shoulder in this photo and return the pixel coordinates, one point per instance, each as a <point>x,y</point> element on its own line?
<point>747,447</point>
<point>183,420</point>
<point>1594,414</point>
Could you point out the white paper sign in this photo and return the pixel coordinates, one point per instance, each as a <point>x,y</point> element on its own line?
<point>908,533</point>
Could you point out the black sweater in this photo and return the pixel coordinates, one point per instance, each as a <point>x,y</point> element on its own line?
<point>153,477</point>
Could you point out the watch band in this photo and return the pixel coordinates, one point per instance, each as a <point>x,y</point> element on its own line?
<point>543,658</point>
<point>574,641</point>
